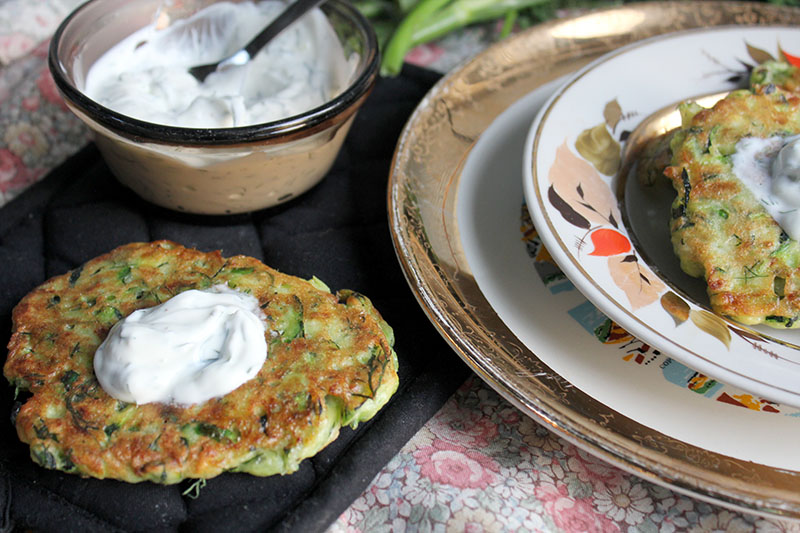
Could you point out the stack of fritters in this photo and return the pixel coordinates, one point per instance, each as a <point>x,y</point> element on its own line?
<point>330,363</point>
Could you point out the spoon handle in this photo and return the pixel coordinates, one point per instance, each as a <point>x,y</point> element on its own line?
<point>287,17</point>
<point>292,13</point>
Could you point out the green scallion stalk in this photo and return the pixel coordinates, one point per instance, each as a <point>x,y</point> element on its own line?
<point>415,22</point>
<point>508,23</point>
<point>402,39</point>
<point>431,19</point>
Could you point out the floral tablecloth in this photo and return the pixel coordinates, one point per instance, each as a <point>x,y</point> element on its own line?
<point>479,464</point>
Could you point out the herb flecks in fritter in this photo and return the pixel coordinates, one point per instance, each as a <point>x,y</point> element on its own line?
<point>330,363</point>
<point>719,229</point>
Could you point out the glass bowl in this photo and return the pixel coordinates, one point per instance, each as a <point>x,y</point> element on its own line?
<point>210,170</point>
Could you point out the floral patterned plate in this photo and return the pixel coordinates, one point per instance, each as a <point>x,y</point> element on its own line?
<point>457,242</point>
<point>549,315</point>
<point>572,186</point>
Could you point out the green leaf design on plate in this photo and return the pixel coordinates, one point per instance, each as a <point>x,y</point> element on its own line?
<point>597,146</point>
<point>675,306</point>
<point>757,54</point>
<point>711,324</point>
<point>612,113</point>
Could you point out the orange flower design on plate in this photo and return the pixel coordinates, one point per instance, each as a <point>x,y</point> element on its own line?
<point>584,200</point>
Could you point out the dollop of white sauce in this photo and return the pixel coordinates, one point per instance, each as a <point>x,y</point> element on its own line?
<point>786,172</point>
<point>198,345</point>
<point>145,76</point>
<point>770,169</point>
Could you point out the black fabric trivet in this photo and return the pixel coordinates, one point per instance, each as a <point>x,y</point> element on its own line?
<point>338,231</point>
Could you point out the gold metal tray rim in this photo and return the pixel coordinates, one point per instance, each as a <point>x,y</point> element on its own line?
<point>421,198</point>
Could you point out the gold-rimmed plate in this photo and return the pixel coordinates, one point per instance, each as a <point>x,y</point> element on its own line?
<point>439,224</point>
<point>572,182</point>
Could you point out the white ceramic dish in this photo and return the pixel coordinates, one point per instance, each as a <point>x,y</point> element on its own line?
<point>552,318</point>
<point>455,205</point>
<point>572,196</point>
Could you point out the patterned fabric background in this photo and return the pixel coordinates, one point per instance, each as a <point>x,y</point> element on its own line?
<point>479,464</point>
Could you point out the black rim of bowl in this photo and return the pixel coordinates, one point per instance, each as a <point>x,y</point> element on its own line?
<point>158,133</point>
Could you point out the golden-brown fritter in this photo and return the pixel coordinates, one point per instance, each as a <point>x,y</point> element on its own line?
<point>330,363</point>
<point>720,231</point>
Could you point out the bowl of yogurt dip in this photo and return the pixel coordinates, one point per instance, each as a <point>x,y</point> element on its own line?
<point>246,138</point>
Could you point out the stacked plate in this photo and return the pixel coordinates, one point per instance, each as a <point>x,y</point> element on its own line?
<point>548,273</point>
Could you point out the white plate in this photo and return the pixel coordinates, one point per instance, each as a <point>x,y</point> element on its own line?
<point>554,320</point>
<point>455,216</point>
<point>574,203</point>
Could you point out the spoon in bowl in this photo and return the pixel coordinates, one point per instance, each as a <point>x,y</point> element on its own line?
<point>245,54</point>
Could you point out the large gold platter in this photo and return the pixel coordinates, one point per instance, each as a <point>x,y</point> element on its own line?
<point>422,209</point>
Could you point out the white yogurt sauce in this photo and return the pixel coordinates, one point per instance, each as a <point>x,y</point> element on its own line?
<point>146,76</point>
<point>195,346</point>
<point>770,168</point>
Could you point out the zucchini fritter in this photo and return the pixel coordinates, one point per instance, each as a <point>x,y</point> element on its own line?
<point>720,231</point>
<point>330,363</point>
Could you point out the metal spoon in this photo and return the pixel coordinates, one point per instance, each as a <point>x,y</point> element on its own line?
<point>291,14</point>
